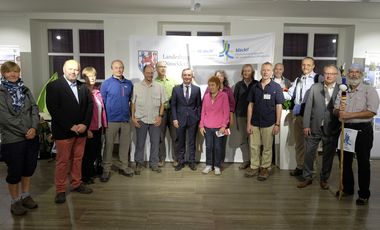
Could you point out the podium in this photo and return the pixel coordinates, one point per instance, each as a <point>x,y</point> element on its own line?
<point>284,143</point>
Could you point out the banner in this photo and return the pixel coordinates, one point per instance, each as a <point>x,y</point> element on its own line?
<point>203,54</point>
<point>232,50</point>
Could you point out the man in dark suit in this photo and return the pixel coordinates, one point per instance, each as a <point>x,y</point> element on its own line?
<point>70,105</point>
<point>320,123</point>
<point>186,109</point>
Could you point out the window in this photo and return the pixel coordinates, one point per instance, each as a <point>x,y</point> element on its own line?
<point>318,42</point>
<point>83,42</point>
<point>178,33</point>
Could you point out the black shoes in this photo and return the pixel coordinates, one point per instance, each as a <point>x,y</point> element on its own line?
<point>193,166</point>
<point>179,167</point>
<point>296,172</point>
<point>60,198</point>
<point>362,201</point>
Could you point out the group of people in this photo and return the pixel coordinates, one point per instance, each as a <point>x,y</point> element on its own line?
<point>81,113</point>
<point>320,107</point>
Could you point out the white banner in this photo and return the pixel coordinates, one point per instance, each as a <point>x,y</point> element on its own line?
<point>232,50</point>
<point>203,54</point>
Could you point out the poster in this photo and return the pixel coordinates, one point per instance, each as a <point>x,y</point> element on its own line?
<point>372,69</point>
<point>204,55</point>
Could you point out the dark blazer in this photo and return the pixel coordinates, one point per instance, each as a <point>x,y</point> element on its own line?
<point>65,110</point>
<point>316,111</point>
<point>186,112</point>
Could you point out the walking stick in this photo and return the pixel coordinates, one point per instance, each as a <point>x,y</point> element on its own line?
<point>343,88</point>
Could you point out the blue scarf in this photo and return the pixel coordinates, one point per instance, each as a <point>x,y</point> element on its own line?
<point>15,89</point>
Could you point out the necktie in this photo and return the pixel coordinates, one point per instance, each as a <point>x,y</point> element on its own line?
<point>187,94</point>
<point>327,95</point>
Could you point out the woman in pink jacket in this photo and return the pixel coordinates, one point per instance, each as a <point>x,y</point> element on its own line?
<point>214,120</point>
<point>92,153</point>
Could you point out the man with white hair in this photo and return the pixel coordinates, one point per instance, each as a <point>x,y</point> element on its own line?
<point>70,105</point>
<point>361,105</point>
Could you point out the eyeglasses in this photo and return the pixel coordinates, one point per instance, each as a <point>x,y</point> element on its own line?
<point>330,74</point>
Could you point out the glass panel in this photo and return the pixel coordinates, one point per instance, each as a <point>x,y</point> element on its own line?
<point>178,33</point>
<point>325,45</point>
<point>91,41</point>
<point>96,62</point>
<point>292,69</point>
<point>209,34</point>
<point>56,64</point>
<point>60,41</point>
<point>295,45</point>
<point>319,64</point>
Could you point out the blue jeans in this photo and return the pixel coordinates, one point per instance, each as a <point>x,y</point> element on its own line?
<point>214,147</point>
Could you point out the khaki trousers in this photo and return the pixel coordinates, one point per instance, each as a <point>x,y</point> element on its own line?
<point>261,136</point>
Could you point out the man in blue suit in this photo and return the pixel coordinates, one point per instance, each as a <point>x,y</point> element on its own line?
<point>186,110</point>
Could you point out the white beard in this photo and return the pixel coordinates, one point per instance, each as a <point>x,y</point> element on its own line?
<point>354,82</point>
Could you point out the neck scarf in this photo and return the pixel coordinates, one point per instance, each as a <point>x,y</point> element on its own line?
<point>15,89</point>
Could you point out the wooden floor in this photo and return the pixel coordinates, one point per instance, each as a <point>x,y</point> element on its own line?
<point>190,200</point>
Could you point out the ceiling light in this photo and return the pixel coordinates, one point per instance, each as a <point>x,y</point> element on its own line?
<point>195,6</point>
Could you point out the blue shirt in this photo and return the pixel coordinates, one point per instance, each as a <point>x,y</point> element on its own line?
<point>264,103</point>
<point>117,96</point>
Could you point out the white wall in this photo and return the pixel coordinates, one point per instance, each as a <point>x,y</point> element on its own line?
<point>367,38</point>
<point>14,30</point>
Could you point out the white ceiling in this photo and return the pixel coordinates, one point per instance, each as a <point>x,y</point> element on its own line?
<point>272,8</point>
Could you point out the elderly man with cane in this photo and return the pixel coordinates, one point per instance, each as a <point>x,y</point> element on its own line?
<point>361,105</point>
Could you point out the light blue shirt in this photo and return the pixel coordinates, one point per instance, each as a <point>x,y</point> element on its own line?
<point>73,87</point>
<point>304,84</point>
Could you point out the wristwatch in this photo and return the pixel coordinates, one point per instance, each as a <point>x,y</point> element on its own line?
<point>277,125</point>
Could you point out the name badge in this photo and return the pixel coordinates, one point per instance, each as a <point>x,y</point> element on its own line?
<point>266,96</point>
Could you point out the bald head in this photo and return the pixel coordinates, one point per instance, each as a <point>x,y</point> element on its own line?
<point>71,70</point>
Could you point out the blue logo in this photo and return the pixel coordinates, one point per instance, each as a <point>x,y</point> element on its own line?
<point>347,139</point>
<point>226,49</point>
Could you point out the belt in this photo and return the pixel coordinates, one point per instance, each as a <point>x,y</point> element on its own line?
<point>359,125</point>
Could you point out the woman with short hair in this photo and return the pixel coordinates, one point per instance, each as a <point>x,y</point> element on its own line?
<point>19,121</point>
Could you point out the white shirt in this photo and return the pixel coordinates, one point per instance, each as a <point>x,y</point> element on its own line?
<point>184,90</point>
<point>330,91</point>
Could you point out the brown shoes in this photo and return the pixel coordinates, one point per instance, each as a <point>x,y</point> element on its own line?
<point>304,183</point>
<point>251,172</point>
<point>263,174</point>
<point>324,185</point>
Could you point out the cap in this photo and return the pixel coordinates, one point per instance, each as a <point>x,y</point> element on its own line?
<point>356,66</point>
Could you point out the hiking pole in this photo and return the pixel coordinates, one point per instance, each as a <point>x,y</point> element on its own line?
<point>343,98</point>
